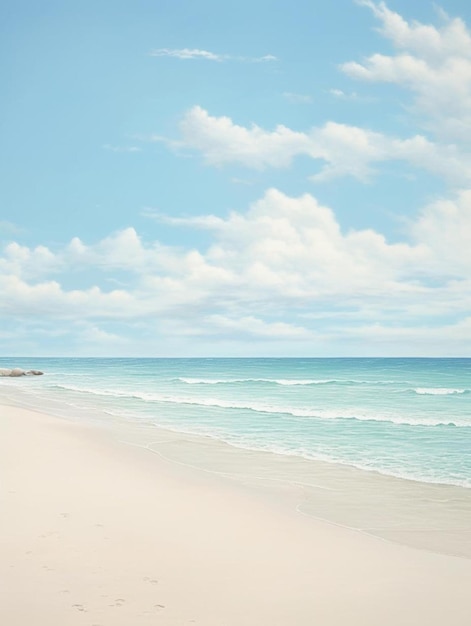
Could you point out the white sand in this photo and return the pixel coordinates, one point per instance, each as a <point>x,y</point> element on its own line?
<point>98,533</point>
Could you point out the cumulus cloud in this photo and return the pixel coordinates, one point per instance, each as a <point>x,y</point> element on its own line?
<point>284,267</point>
<point>428,41</point>
<point>345,150</point>
<point>221,141</point>
<point>265,270</point>
<point>49,298</point>
<point>445,227</point>
<point>434,63</point>
<point>28,262</point>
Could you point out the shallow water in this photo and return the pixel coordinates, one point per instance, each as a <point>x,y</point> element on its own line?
<point>408,418</point>
<point>302,428</point>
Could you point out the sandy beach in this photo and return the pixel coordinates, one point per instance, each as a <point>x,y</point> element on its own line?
<point>96,532</point>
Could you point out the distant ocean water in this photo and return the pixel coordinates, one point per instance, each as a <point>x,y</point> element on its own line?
<point>409,418</point>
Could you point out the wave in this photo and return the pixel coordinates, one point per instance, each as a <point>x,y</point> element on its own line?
<point>275,381</point>
<point>337,459</point>
<point>438,391</point>
<point>257,407</point>
<point>332,457</point>
<point>284,381</point>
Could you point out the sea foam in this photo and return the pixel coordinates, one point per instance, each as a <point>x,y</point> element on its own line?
<point>281,410</point>
<point>438,391</point>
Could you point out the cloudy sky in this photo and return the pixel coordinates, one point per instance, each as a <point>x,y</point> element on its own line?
<point>263,177</point>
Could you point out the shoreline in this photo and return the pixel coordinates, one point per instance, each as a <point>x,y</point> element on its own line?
<point>100,532</point>
<point>428,516</point>
<point>372,425</point>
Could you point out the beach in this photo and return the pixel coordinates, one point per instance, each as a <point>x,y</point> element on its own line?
<point>98,532</point>
<point>235,322</point>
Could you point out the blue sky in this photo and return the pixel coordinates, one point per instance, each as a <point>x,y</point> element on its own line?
<point>240,179</point>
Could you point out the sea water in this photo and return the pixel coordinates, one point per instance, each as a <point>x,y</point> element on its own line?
<point>409,418</point>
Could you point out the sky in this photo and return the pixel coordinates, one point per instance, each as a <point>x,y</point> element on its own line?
<point>263,178</point>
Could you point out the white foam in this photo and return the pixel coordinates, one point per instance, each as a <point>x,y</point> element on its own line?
<point>300,412</point>
<point>213,381</point>
<point>276,381</point>
<point>438,391</point>
<point>278,449</point>
<point>289,382</point>
<point>284,381</point>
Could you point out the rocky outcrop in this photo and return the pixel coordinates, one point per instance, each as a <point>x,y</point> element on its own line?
<point>16,372</point>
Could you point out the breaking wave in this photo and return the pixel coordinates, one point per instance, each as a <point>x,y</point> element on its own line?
<point>284,381</point>
<point>438,391</point>
<point>258,407</point>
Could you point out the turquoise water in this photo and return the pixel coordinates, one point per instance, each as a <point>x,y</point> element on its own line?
<point>403,417</point>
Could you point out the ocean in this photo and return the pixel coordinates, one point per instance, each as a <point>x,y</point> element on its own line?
<point>408,418</point>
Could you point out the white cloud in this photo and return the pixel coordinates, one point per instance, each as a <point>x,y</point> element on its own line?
<point>426,40</point>
<point>49,299</point>
<point>350,96</point>
<point>284,269</point>
<point>434,63</point>
<point>28,262</point>
<point>221,141</point>
<point>265,58</point>
<point>445,227</point>
<point>345,150</point>
<point>276,270</point>
<point>339,93</point>
<point>195,53</point>
<point>187,53</point>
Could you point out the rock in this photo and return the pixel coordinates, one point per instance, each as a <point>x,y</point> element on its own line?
<point>17,372</point>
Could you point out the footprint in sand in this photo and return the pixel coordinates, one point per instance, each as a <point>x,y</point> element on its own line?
<point>79,607</point>
<point>118,602</point>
